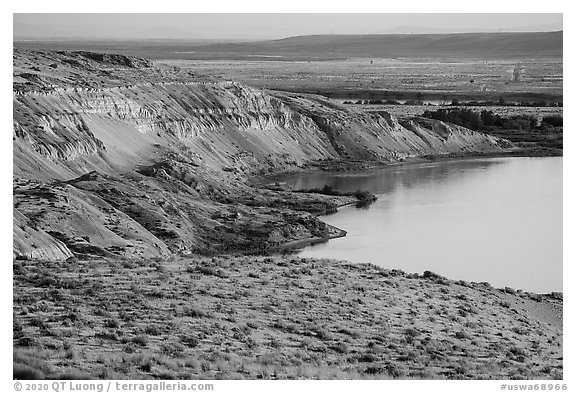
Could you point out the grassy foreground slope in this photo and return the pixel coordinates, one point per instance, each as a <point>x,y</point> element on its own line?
<point>281,317</point>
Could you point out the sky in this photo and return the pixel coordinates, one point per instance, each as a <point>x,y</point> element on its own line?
<point>267,26</point>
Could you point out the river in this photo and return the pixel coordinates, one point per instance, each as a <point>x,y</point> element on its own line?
<point>497,220</point>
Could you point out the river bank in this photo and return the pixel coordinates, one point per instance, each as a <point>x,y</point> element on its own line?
<point>355,165</point>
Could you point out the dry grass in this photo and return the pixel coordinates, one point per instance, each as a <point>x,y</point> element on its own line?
<point>280,317</point>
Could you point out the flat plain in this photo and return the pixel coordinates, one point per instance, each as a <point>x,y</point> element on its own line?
<point>429,79</point>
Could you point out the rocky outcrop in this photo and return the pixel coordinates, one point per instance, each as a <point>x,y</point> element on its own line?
<point>169,150</point>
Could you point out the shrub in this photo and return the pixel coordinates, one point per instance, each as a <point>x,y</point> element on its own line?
<point>463,117</point>
<point>483,121</point>
<point>553,120</point>
<point>111,323</point>
<point>190,341</point>
<point>434,277</point>
<point>21,371</point>
<point>374,370</point>
<point>27,341</point>
<point>367,358</point>
<point>322,334</point>
<point>252,325</point>
<point>556,295</point>
<point>153,330</point>
<point>350,333</point>
<point>195,313</point>
<point>140,340</point>
<point>146,367</point>
<point>340,348</point>
<point>364,196</point>
<point>171,349</point>
<point>107,336</point>
<point>410,332</point>
<point>74,374</point>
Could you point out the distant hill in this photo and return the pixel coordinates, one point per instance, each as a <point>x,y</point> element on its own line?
<point>401,45</point>
<point>323,47</point>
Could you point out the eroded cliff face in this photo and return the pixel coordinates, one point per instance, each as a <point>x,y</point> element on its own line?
<point>139,161</point>
<point>222,125</point>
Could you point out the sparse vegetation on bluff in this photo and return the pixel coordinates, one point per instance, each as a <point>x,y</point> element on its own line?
<point>274,317</point>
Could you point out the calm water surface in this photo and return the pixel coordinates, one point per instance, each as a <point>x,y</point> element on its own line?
<point>497,220</point>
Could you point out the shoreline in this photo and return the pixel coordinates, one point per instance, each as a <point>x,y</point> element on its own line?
<point>341,166</point>
<point>295,245</point>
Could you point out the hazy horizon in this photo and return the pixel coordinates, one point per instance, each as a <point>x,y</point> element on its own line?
<point>267,26</point>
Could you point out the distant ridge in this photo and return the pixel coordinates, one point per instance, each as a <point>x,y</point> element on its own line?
<point>323,47</point>
<point>535,44</point>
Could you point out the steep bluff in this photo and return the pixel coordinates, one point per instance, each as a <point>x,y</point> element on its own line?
<point>141,160</point>
<point>222,124</point>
